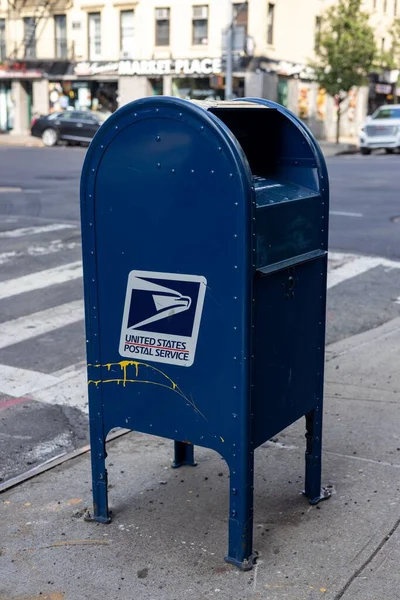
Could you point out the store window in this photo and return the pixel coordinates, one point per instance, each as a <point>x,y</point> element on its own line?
<point>162,26</point>
<point>6,107</point>
<point>156,86</point>
<point>2,39</point>
<point>94,36</point>
<point>200,25</point>
<point>83,95</point>
<point>82,98</point>
<point>270,23</point>
<point>127,33</point>
<point>240,19</point>
<point>29,37</point>
<point>198,88</point>
<point>60,96</point>
<point>283,91</point>
<point>60,30</point>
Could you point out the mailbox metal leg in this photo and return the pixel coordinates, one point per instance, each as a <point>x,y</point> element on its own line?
<point>99,480</point>
<point>183,455</point>
<point>313,490</point>
<point>240,551</point>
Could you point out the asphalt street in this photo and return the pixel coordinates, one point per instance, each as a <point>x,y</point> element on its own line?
<point>366,190</point>
<point>42,340</point>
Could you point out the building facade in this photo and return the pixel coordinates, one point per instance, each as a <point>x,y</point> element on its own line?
<point>100,54</point>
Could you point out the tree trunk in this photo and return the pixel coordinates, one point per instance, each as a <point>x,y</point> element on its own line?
<point>339,114</point>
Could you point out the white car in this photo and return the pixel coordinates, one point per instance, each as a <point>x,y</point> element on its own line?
<point>381,130</point>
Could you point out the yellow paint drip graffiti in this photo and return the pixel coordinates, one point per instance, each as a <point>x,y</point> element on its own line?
<point>124,364</point>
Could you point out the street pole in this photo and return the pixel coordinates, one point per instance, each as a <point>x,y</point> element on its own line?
<point>229,51</point>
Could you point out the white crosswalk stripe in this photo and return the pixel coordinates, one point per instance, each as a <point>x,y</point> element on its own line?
<point>342,213</point>
<point>38,250</point>
<point>40,280</point>
<point>18,382</point>
<point>24,328</point>
<point>352,265</point>
<point>24,231</point>
<point>68,387</point>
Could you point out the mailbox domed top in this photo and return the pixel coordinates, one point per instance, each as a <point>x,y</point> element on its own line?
<point>170,116</point>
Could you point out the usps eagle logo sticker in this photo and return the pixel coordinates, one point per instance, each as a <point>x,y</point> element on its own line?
<point>162,317</point>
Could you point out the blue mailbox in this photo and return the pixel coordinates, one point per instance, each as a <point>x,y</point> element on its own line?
<point>205,230</point>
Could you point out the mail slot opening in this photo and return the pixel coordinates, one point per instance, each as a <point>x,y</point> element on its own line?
<point>285,179</point>
<point>275,149</point>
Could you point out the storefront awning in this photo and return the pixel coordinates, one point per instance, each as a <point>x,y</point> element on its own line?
<point>35,69</point>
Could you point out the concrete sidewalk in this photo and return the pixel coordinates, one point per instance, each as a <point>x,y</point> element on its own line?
<point>329,148</point>
<point>169,533</point>
<point>346,146</point>
<point>9,139</point>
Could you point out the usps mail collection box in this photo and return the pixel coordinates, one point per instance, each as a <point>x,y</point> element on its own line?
<point>205,230</point>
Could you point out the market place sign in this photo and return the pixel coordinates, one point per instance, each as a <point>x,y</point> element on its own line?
<point>182,66</point>
<point>88,69</point>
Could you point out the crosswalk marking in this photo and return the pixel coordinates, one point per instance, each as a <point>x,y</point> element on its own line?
<point>349,270</point>
<point>38,250</point>
<point>40,279</point>
<point>6,257</point>
<point>24,328</point>
<point>342,213</point>
<point>18,382</point>
<point>69,389</point>
<point>23,231</point>
<point>10,190</point>
<point>355,265</point>
<point>69,386</point>
<point>373,260</point>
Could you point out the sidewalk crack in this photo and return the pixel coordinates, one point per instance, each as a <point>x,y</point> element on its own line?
<point>365,564</point>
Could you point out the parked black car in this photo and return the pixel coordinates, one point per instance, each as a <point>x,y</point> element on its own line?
<point>73,126</point>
